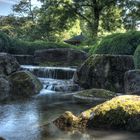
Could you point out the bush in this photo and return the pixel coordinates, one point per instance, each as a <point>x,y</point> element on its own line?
<point>26,47</point>
<point>5,42</point>
<point>120,43</point>
<point>137,57</point>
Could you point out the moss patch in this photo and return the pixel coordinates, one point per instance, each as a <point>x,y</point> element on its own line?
<point>122,112</point>
<point>99,93</point>
<point>24,84</point>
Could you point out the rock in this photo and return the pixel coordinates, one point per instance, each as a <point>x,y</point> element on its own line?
<point>104,71</point>
<point>93,96</point>
<point>2,138</point>
<point>60,57</point>
<point>122,112</point>
<point>4,88</point>
<point>8,64</point>
<point>132,82</point>
<point>66,121</point>
<point>25,59</point>
<point>24,84</point>
<point>67,88</point>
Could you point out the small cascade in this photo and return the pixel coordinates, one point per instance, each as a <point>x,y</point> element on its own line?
<point>50,72</point>
<point>58,86</point>
<point>54,79</point>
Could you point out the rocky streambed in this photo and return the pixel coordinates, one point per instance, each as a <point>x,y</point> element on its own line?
<point>63,103</point>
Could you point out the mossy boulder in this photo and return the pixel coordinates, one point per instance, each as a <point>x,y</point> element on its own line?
<point>67,121</point>
<point>132,82</point>
<point>24,84</point>
<point>137,57</point>
<point>4,88</point>
<point>104,71</point>
<point>60,56</point>
<point>122,112</point>
<point>93,96</point>
<point>8,64</point>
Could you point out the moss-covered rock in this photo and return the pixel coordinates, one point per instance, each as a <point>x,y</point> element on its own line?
<point>24,84</point>
<point>122,112</point>
<point>93,96</point>
<point>4,88</point>
<point>137,57</point>
<point>67,121</point>
<point>104,71</point>
<point>60,57</point>
<point>132,82</point>
<point>8,64</point>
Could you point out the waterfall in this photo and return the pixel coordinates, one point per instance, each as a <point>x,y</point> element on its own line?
<point>54,79</point>
<point>50,72</point>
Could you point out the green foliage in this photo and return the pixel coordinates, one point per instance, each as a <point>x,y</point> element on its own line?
<point>26,47</point>
<point>137,57</point>
<point>120,43</point>
<point>5,42</point>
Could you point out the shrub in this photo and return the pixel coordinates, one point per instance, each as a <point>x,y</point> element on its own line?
<point>26,47</point>
<point>120,43</point>
<point>137,57</point>
<point>5,42</point>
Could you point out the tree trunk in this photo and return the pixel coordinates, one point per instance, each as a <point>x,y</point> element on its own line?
<point>94,24</point>
<point>96,18</point>
<point>31,12</point>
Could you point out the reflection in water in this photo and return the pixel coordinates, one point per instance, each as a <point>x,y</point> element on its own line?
<point>26,121</point>
<point>18,121</point>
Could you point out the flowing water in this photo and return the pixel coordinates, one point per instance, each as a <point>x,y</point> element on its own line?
<point>27,119</point>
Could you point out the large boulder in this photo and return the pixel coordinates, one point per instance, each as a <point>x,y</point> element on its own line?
<point>60,57</point>
<point>104,71</point>
<point>25,59</point>
<point>24,84</point>
<point>122,112</point>
<point>137,57</point>
<point>93,96</point>
<point>8,64</point>
<point>4,88</point>
<point>132,82</point>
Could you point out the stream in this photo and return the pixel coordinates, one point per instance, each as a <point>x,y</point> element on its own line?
<point>24,120</point>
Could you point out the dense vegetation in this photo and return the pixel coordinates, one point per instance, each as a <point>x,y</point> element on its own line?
<point>15,46</point>
<point>119,43</point>
<point>34,27</point>
<point>137,57</point>
<point>28,47</point>
<point>5,42</point>
<point>56,20</point>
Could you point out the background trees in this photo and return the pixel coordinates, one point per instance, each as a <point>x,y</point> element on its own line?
<point>59,19</point>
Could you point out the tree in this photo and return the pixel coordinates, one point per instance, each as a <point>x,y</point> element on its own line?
<point>25,8</point>
<point>88,10</point>
<point>95,13</point>
<point>130,13</point>
<point>55,19</point>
